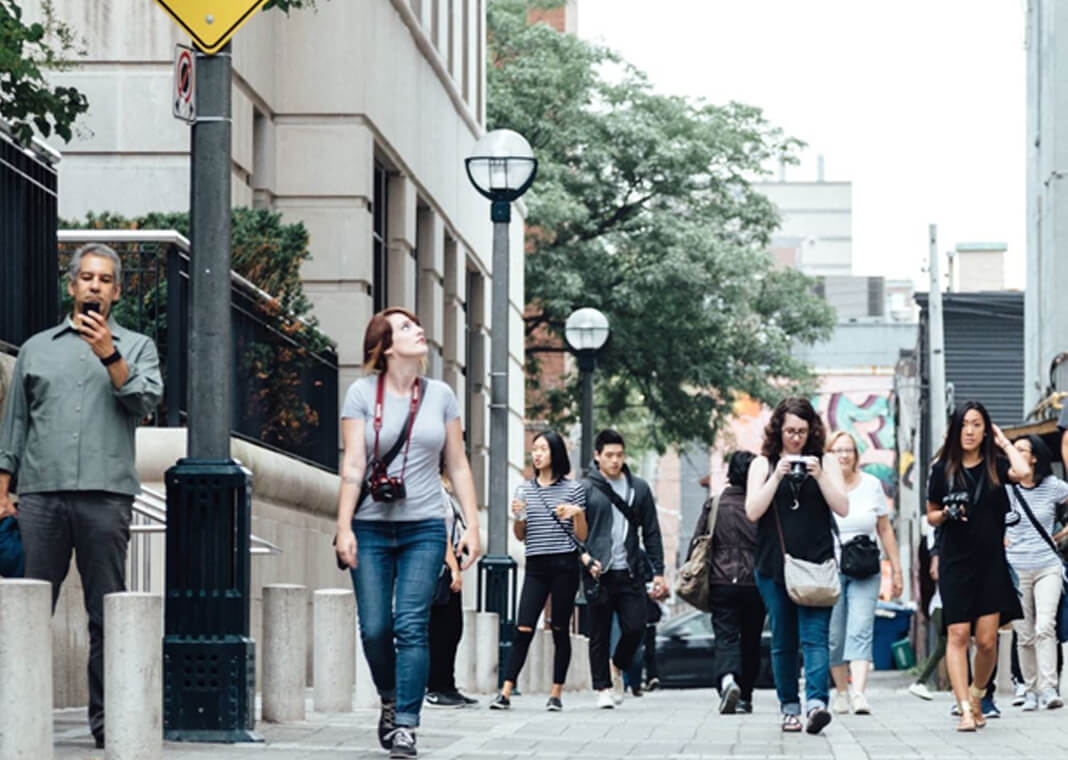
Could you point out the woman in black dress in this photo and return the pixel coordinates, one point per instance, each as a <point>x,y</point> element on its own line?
<point>965,496</point>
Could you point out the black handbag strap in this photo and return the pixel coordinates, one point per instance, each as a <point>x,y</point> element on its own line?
<point>616,500</point>
<point>579,545</point>
<point>1034,520</point>
<point>390,455</point>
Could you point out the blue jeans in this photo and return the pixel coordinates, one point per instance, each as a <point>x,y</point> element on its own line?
<point>853,619</point>
<point>396,572</point>
<point>796,629</point>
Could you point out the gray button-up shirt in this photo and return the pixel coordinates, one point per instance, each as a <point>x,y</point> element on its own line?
<point>65,426</point>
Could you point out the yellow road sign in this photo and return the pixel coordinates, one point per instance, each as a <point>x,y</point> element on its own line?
<point>211,23</point>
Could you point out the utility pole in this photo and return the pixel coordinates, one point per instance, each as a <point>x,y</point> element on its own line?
<point>936,347</point>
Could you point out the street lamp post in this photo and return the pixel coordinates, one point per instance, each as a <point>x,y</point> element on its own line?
<point>501,167</point>
<point>586,331</point>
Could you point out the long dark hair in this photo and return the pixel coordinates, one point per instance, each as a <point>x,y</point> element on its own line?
<point>952,455</point>
<point>1043,456</point>
<point>559,461</point>
<point>799,407</point>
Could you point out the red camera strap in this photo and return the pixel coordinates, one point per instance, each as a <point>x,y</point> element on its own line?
<point>412,409</point>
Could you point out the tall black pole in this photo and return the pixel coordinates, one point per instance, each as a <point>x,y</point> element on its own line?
<point>587,361</point>
<point>497,567</point>
<point>210,334</point>
<point>209,659</point>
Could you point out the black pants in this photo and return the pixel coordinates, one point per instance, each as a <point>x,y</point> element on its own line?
<point>555,575</point>
<point>738,621</point>
<point>96,527</point>
<point>623,595</point>
<point>446,628</point>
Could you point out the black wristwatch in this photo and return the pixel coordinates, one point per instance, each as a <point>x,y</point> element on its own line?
<point>107,361</point>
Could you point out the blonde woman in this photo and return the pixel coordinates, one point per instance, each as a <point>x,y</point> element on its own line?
<point>853,617</point>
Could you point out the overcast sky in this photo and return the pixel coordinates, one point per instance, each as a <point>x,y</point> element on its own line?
<point>920,103</point>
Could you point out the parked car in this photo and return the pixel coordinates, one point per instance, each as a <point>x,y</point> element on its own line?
<point>685,645</point>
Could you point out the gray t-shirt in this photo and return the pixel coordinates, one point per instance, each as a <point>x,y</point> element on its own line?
<point>619,524</point>
<point>422,480</point>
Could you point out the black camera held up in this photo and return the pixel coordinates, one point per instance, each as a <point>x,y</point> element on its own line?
<point>384,487</point>
<point>798,468</point>
<point>955,505</point>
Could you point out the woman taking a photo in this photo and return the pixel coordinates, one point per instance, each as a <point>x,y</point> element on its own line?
<point>1030,551</point>
<point>791,492</point>
<point>549,515</point>
<point>966,497</point>
<point>390,522</point>
<point>853,617</point>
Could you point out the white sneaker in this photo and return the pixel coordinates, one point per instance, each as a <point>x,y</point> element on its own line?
<point>1019,694</point>
<point>860,705</point>
<point>604,699</point>
<point>617,684</point>
<point>1050,700</point>
<point>1030,702</point>
<point>920,690</point>
<point>840,703</point>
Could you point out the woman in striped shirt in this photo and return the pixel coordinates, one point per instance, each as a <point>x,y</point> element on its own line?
<point>550,515</point>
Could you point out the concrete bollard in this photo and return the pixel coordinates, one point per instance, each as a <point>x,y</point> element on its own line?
<point>26,658</point>
<point>466,654</point>
<point>133,672</point>
<point>580,658</point>
<point>333,669</point>
<point>366,691</point>
<point>487,631</point>
<point>1004,674</point>
<point>285,644</point>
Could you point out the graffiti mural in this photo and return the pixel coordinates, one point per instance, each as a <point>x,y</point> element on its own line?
<point>869,417</point>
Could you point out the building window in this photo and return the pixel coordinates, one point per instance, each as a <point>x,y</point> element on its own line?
<point>380,210</point>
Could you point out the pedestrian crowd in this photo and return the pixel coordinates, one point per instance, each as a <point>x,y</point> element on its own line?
<point>797,537</point>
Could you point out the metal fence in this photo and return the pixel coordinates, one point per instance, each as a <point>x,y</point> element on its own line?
<point>285,382</point>
<point>27,239</point>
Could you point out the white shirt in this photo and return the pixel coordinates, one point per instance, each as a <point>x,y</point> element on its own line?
<point>619,524</point>
<point>867,503</point>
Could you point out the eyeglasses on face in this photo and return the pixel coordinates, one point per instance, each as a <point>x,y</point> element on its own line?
<point>842,452</point>
<point>795,432</point>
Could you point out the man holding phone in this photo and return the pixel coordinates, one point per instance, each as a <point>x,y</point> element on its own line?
<point>78,392</point>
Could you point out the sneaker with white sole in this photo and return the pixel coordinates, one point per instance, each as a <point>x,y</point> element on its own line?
<point>729,694</point>
<point>920,690</point>
<point>1019,694</point>
<point>840,703</point>
<point>402,743</point>
<point>1030,703</point>
<point>860,705</point>
<point>1050,700</point>
<point>605,700</point>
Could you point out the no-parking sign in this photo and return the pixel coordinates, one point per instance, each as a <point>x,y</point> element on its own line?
<point>184,83</point>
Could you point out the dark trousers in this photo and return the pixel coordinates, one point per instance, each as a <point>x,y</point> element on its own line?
<point>738,621</point>
<point>446,628</point>
<point>939,650</point>
<point>555,575</point>
<point>623,596</point>
<point>96,527</point>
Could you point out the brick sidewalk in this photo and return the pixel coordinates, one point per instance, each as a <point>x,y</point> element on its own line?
<point>664,724</point>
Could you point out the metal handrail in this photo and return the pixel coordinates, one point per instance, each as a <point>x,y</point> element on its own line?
<point>150,516</point>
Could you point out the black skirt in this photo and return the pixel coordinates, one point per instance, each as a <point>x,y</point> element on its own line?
<point>972,587</point>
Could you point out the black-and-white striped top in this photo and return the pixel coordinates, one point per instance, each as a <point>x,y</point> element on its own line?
<point>545,533</point>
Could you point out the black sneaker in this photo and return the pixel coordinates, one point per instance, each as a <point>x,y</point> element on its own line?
<point>818,719</point>
<point>744,706</point>
<point>652,684</point>
<point>554,704</point>
<point>501,702</point>
<point>387,722</point>
<point>443,699</point>
<point>402,743</point>
<point>466,699</point>
<point>636,690</point>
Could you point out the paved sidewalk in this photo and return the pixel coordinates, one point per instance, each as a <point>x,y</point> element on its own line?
<point>664,724</point>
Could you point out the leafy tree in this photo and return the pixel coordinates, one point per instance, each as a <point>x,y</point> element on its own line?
<point>643,207</point>
<point>26,51</point>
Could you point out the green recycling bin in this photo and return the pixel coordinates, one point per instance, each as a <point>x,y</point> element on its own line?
<point>904,656</point>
